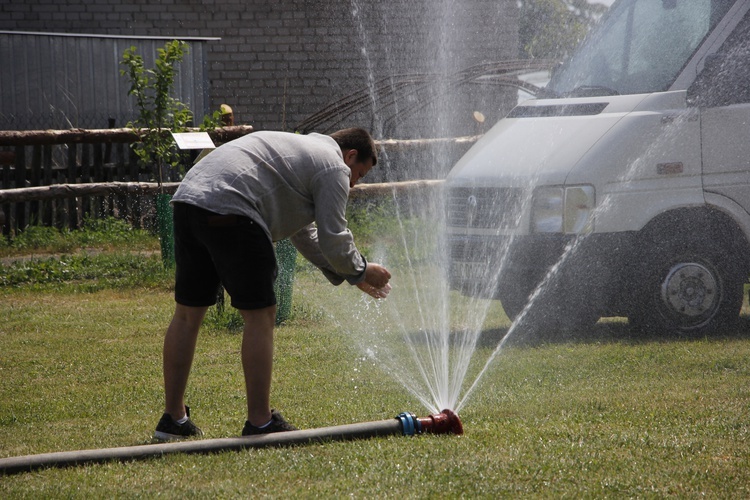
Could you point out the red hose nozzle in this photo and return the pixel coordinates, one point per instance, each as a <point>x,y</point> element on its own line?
<point>442,423</point>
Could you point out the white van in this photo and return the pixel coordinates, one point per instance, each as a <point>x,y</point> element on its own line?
<point>624,190</point>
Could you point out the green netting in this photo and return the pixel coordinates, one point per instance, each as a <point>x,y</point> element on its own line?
<point>286,258</point>
<point>166,228</point>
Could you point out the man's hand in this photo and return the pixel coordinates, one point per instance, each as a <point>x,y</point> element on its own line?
<point>377,293</point>
<point>376,275</point>
<point>376,281</point>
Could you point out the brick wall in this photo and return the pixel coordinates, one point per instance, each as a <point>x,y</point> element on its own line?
<point>280,61</point>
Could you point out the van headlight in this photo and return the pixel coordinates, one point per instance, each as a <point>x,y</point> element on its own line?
<point>558,209</point>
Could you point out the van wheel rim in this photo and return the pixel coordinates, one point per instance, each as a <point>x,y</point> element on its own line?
<point>690,290</point>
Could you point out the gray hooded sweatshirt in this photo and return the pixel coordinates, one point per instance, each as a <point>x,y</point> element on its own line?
<point>294,186</point>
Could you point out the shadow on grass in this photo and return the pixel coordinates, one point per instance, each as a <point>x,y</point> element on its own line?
<point>608,330</point>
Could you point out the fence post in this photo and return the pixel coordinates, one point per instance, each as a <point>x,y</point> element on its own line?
<point>85,178</point>
<point>100,203</point>
<point>5,215</point>
<point>47,208</point>
<point>20,208</point>
<point>71,213</point>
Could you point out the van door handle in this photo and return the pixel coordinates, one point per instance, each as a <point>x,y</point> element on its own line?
<point>690,115</point>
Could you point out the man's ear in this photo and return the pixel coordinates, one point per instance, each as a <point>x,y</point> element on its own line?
<point>350,156</point>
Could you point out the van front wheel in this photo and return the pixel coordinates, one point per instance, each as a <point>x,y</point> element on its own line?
<point>688,289</point>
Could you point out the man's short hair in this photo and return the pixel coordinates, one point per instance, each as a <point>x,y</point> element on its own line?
<point>359,139</point>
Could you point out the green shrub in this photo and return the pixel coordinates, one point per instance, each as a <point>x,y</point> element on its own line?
<point>106,232</point>
<point>409,237</point>
<point>109,231</point>
<point>40,238</point>
<point>88,272</point>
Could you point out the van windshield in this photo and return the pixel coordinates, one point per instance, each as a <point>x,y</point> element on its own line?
<point>640,46</point>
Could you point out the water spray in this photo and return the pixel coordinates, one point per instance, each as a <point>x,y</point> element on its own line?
<point>405,424</point>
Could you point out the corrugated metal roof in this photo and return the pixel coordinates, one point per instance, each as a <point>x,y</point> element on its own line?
<point>98,35</point>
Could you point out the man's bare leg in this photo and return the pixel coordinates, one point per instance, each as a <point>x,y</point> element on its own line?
<point>257,362</point>
<point>179,349</point>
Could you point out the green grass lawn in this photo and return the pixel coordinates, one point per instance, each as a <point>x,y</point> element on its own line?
<point>605,415</point>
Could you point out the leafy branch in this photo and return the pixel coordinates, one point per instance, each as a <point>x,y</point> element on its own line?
<point>158,112</point>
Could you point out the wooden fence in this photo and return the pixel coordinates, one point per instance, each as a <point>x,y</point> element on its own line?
<point>30,159</point>
<point>61,177</point>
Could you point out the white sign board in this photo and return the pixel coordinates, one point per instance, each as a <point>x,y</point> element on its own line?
<point>193,140</point>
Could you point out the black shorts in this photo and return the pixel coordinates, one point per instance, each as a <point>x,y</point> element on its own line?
<point>212,249</point>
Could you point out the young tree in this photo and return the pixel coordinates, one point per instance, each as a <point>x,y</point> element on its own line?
<point>158,111</point>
